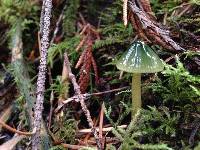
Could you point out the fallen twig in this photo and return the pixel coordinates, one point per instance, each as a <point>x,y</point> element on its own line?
<point>61,16</point>
<point>70,146</point>
<point>125,4</point>
<point>5,114</point>
<point>4,125</point>
<point>108,140</point>
<point>84,131</point>
<point>88,136</point>
<point>101,126</point>
<point>150,28</point>
<point>82,102</point>
<point>9,145</point>
<point>86,96</point>
<point>101,122</point>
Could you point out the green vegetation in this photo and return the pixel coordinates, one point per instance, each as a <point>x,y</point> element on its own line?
<point>170,114</point>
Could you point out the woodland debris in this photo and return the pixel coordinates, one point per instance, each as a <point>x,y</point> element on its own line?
<point>82,102</point>
<point>125,12</point>
<point>86,96</point>
<point>86,60</point>
<point>84,131</point>
<point>4,125</point>
<point>6,114</point>
<point>9,145</point>
<point>148,28</point>
<point>70,146</point>
<point>64,95</point>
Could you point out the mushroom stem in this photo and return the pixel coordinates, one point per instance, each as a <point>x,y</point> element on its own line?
<point>136,93</point>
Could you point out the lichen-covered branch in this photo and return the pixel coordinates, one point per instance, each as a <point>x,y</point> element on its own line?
<point>150,28</point>
<point>82,102</point>
<point>47,6</point>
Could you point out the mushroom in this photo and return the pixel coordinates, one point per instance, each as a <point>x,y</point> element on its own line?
<point>140,58</point>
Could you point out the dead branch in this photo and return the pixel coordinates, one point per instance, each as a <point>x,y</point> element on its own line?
<point>10,145</point>
<point>84,131</point>
<point>61,16</point>
<point>70,146</point>
<point>81,100</point>
<point>13,130</point>
<point>101,118</point>
<point>151,29</point>
<point>86,96</point>
<point>6,114</point>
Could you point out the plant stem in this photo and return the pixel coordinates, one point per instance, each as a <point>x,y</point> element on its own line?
<point>136,93</point>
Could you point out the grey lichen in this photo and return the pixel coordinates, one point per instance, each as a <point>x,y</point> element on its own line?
<point>47,6</point>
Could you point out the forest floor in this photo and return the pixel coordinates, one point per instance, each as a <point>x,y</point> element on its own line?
<point>87,100</point>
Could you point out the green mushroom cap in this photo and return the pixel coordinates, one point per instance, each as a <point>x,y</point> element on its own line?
<point>140,58</point>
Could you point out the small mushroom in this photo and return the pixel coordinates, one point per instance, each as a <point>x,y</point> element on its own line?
<point>140,58</point>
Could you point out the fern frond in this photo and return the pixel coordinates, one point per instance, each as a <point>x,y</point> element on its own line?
<point>69,22</point>
<point>107,42</point>
<point>58,49</point>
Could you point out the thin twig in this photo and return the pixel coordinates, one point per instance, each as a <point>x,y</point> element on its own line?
<point>10,145</point>
<point>70,146</point>
<point>101,126</point>
<point>86,96</point>
<point>58,24</point>
<point>6,114</point>
<point>125,18</point>
<point>88,136</point>
<point>82,102</point>
<point>85,131</point>
<point>4,125</point>
<point>51,108</point>
<point>49,69</point>
<point>101,122</point>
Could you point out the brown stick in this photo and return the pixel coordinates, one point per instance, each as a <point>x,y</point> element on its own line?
<point>4,125</point>
<point>101,126</point>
